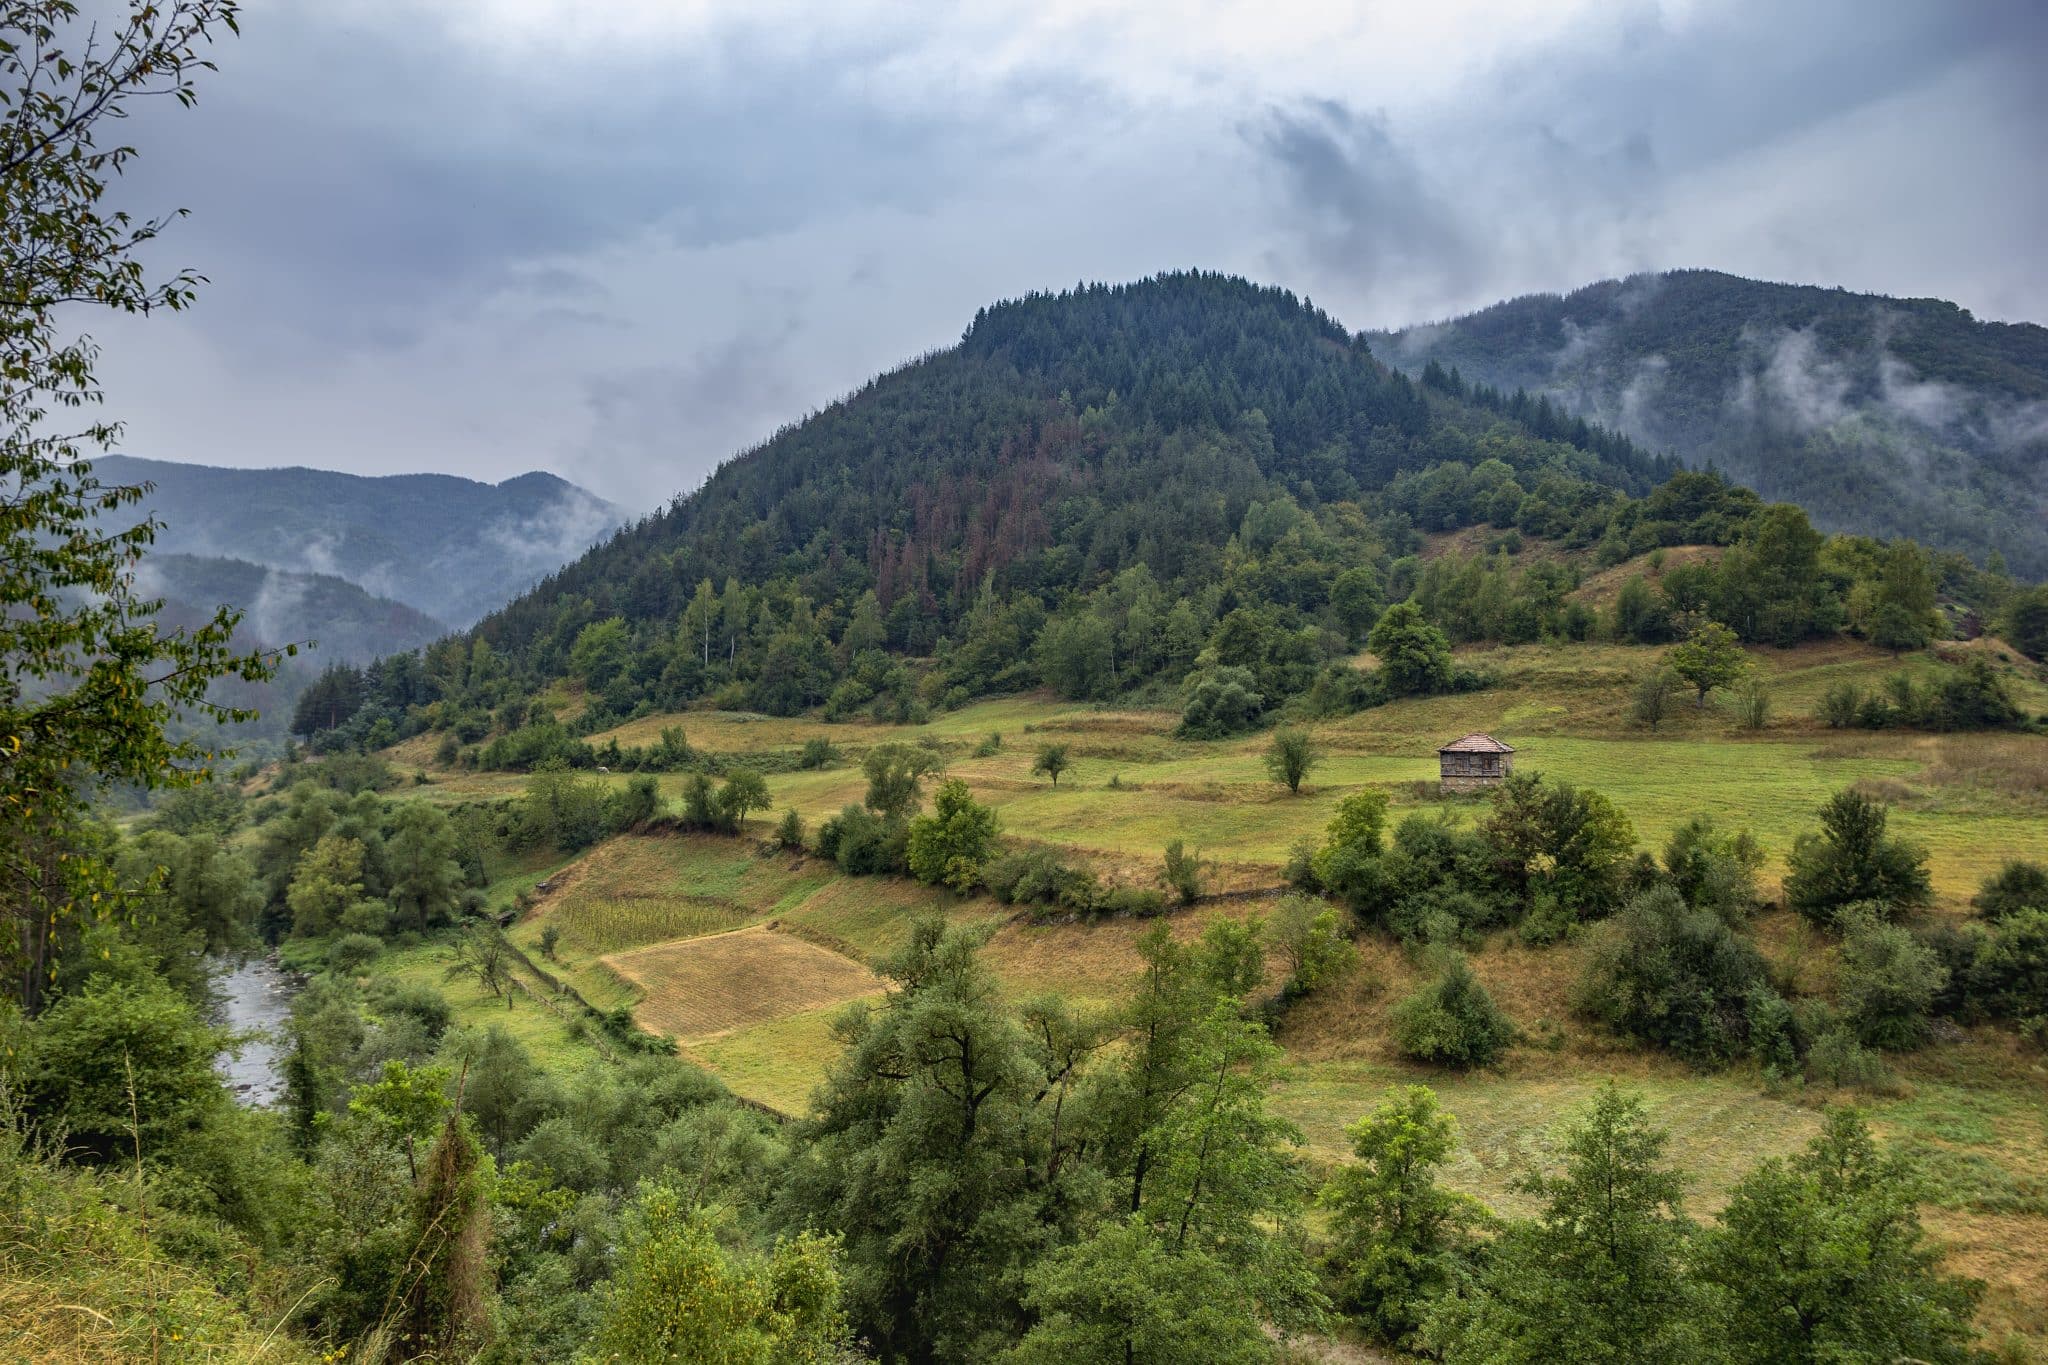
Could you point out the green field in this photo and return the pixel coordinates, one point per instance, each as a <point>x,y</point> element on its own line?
<point>1973,800</point>
<point>1975,1110</point>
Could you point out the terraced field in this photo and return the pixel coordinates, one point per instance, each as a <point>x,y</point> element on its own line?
<point>746,957</point>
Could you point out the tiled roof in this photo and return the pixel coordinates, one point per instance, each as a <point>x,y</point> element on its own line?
<point>1476,743</point>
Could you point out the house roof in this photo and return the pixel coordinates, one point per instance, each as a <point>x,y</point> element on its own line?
<point>1476,743</point>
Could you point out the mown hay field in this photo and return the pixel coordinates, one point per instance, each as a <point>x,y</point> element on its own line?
<point>702,987</point>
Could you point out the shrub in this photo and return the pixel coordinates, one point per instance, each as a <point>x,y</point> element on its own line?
<point>412,1000</point>
<point>1351,842</point>
<point>863,843</point>
<point>1840,706</point>
<point>550,939</point>
<point>1184,872</point>
<point>1341,690</point>
<point>1753,705</point>
<point>2008,976</point>
<point>700,803</point>
<point>990,746</point>
<point>1650,702</point>
<point>1309,936</point>
<point>1221,701</point>
<point>1886,981</point>
<point>817,753</point>
<point>1668,974</point>
<point>789,831</point>
<point>1452,1021</point>
<point>2014,887</point>
<point>1713,871</point>
<point>1037,876</point>
<point>351,951</point>
<point>1773,1027</point>
<point>1138,901</point>
<point>1853,861</point>
<point>632,805</point>
<point>1838,1059</point>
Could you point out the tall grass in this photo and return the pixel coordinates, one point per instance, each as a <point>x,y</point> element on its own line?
<point>612,924</point>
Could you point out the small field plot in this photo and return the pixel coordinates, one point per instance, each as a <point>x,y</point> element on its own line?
<point>650,889</point>
<point>705,987</point>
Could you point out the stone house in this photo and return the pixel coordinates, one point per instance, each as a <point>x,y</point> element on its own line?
<point>1474,762</point>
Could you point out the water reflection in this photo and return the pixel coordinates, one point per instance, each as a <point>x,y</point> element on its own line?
<point>256,994</point>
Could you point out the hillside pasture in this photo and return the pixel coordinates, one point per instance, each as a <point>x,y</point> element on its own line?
<point>702,988</point>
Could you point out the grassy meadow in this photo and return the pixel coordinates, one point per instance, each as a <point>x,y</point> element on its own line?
<point>746,956</point>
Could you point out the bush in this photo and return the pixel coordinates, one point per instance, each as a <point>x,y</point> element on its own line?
<point>1886,981</point>
<point>1037,877</point>
<point>1291,757</point>
<point>789,832</point>
<point>1221,701</point>
<point>1838,1059</point>
<point>1713,871</point>
<point>1841,706</point>
<point>863,843</point>
<point>1309,936</point>
<point>1140,902</point>
<point>2008,974</point>
<point>818,753</point>
<point>1853,861</point>
<point>413,1000</point>
<point>1753,706</point>
<point>351,951</point>
<point>1668,974</point>
<point>1184,872</point>
<point>1452,1021</point>
<point>2014,887</point>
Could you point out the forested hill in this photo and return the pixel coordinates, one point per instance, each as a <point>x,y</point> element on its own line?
<point>279,607</point>
<point>452,548</point>
<point>1066,439</point>
<point>1877,415</point>
<point>1187,489</point>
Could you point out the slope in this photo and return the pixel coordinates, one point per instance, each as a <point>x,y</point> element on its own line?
<point>345,623</point>
<point>451,548</point>
<point>1877,415</point>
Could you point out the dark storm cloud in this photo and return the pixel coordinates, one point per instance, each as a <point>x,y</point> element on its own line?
<point>1576,154</point>
<point>1363,205</point>
<point>408,180</point>
<point>442,237</point>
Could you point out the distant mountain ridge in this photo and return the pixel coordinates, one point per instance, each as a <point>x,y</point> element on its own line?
<point>344,623</point>
<point>1878,415</point>
<point>451,548</point>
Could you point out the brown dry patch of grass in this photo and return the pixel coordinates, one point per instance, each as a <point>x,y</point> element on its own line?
<point>1471,542</point>
<point>1093,962</point>
<point>1600,589</point>
<point>2005,1251</point>
<point>703,988</point>
<point>2015,766</point>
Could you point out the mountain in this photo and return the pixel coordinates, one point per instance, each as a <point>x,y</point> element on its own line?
<point>1067,438</point>
<point>279,607</point>
<point>1189,489</point>
<point>448,547</point>
<point>1877,415</point>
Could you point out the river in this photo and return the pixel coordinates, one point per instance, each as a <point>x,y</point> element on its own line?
<point>256,995</point>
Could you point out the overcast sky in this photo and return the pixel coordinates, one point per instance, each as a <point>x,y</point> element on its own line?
<point>623,239</point>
